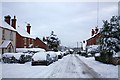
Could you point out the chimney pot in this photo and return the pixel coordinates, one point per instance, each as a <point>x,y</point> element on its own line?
<point>14,22</point>
<point>28,28</point>
<point>96,30</point>
<point>93,32</point>
<point>7,19</point>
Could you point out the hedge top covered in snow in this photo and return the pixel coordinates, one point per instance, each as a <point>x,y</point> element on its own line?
<point>16,55</point>
<point>93,48</point>
<point>29,49</point>
<point>9,55</point>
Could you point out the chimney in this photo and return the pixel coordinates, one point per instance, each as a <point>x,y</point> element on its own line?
<point>96,30</point>
<point>93,32</point>
<point>28,28</point>
<point>7,19</point>
<point>14,22</point>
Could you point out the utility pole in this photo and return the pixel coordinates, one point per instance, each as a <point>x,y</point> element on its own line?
<point>77,45</point>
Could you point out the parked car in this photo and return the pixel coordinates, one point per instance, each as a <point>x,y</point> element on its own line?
<point>41,58</point>
<point>59,54</point>
<point>71,51</point>
<point>67,52</point>
<point>53,55</point>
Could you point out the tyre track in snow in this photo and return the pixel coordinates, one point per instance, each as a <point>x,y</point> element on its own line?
<point>87,70</point>
<point>59,68</point>
<point>72,68</point>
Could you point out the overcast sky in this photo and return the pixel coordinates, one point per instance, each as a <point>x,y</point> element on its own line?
<point>71,21</point>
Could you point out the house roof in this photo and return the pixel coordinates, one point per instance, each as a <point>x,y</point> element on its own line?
<point>5,44</point>
<point>23,32</point>
<point>5,25</point>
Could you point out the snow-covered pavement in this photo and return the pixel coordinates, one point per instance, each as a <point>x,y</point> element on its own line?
<point>70,66</point>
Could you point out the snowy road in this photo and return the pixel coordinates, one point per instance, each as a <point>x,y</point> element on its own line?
<point>70,66</point>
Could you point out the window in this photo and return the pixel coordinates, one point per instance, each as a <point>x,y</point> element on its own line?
<point>11,35</point>
<point>3,34</point>
<point>9,49</point>
<point>33,41</point>
<point>24,41</point>
<point>28,41</point>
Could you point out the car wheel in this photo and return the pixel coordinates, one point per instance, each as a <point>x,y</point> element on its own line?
<point>47,64</point>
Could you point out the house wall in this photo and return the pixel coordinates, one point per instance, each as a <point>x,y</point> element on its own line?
<point>7,36</point>
<point>93,40</point>
<point>40,44</point>
<point>19,41</point>
<point>13,40</point>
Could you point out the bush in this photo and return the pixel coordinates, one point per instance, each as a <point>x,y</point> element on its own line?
<point>102,59</point>
<point>16,58</point>
<point>114,61</point>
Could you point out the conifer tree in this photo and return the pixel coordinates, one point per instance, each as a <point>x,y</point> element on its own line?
<point>110,40</point>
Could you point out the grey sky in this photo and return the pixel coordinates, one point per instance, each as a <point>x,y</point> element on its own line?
<point>71,22</point>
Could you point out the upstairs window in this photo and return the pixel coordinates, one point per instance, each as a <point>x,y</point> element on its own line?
<point>24,41</point>
<point>11,35</point>
<point>33,41</point>
<point>3,34</point>
<point>29,41</point>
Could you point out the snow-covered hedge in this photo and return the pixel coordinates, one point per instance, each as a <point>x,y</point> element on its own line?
<point>93,48</point>
<point>16,57</point>
<point>24,50</point>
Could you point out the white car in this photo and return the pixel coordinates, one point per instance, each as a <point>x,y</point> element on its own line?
<point>53,55</point>
<point>59,54</point>
<point>41,58</point>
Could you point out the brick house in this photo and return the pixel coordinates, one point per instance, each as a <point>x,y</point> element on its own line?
<point>40,44</point>
<point>23,37</point>
<point>94,40</point>
<point>7,36</point>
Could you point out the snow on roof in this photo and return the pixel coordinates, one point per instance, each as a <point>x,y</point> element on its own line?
<point>23,32</point>
<point>45,42</point>
<point>5,44</point>
<point>7,26</point>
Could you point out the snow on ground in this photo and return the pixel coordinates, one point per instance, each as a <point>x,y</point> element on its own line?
<point>105,70</point>
<point>27,71</point>
<point>70,66</point>
<point>67,67</point>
